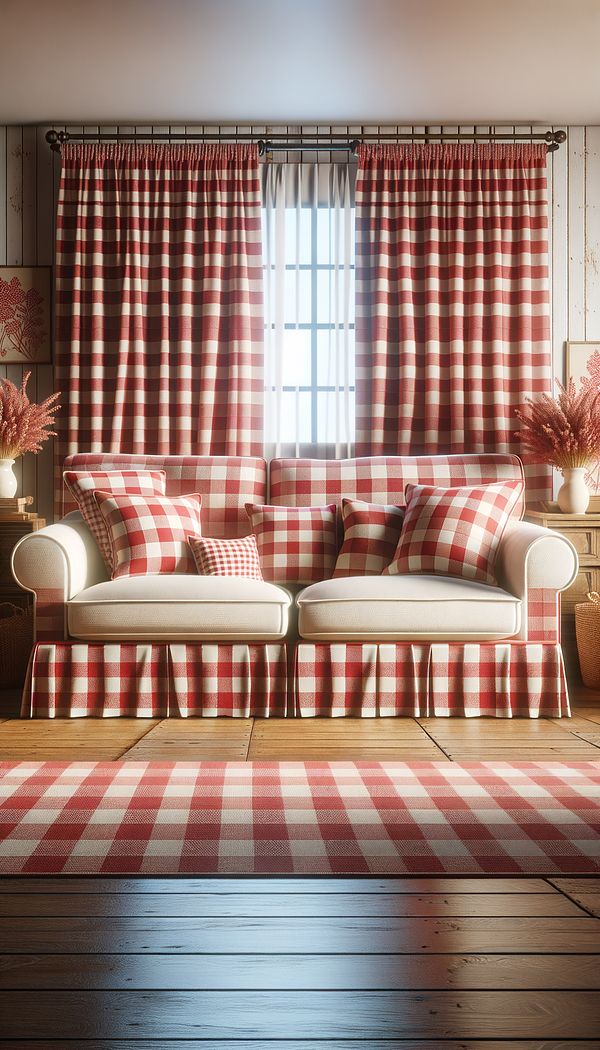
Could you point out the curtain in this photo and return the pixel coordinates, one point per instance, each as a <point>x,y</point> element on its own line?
<point>309,309</point>
<point>159,300</point>
<point>452,307</point>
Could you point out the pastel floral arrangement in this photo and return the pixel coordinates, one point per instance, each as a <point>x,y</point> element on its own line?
<point>24,425</point>
<point>563,431</point>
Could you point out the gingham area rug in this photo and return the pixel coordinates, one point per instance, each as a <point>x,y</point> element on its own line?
<point>316,818</point>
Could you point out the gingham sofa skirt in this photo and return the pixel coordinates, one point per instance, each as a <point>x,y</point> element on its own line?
<point>501,679</point>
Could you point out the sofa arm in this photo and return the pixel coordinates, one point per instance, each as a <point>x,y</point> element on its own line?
<point>535,564</point>
<point>55,564</point>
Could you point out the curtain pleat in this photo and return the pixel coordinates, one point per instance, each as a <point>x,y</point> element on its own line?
<point>159,300</point>
<point>452,305</point>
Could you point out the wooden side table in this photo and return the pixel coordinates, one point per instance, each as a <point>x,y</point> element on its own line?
<point>583,530</point>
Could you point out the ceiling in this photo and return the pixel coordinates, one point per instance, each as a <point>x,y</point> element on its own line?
<point>244,61</point>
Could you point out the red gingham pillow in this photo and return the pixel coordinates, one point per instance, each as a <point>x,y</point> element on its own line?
<point>371,534</point>
<point>454,532</point>
<point>149,534</point>
<point>295,544</point>
<point>82,484</point>
<point>226,557</point>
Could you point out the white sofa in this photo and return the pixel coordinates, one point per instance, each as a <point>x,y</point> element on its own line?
<point>80,613</point>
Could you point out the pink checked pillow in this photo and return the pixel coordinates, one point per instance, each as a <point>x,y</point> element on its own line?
<point>82,484</point>
<point>295,544</point>
<point>149,534</point>
<point>226,557</point>
<point>454,532</point>
<point>371,534</point>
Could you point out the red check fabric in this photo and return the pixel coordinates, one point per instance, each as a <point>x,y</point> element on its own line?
<point>371,535</point>
<point>295,544</point>
<point>149,534</point>
<point>297,818</point>
<point>452,298</point>
<point>225,483</point>
<point>454,532</point>
<point>159,318</point>
<point>83,484</point>
<point>226,557</point>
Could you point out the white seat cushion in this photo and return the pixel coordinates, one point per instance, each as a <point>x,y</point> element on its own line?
<point>178,607</point>
<point>406,608</point>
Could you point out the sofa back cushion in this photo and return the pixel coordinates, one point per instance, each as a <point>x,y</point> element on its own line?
<point>226,484</point>
<point>383,479</point>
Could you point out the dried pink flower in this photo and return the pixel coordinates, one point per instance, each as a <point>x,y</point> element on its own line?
<point>564,432</point>
<point>24,426</point>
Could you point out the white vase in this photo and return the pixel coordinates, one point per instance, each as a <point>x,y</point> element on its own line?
<point>8,481</point>
<point>573,495</point>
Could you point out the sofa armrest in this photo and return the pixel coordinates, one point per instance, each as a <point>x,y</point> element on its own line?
<point>55,564</point>
<point>535,564</point>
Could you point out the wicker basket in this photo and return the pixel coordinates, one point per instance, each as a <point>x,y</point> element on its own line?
<point>587,629</point>
<point>16,640</point>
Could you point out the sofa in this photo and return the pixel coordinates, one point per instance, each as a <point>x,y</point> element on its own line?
<point>192,645</point>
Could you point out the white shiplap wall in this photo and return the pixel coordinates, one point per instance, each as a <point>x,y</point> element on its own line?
<point>28,184</point>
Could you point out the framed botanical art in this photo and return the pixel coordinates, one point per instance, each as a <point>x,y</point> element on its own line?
<point>583,363</point>
<point>25,324</point>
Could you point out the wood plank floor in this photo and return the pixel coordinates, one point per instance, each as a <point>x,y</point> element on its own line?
<point>330,739</point>
<point>301,964</point>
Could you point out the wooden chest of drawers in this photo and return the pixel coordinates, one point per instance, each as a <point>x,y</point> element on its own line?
<point>11,532</point>
<point>583,530</point>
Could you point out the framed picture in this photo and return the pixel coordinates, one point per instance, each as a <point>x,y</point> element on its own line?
<point>25,326</point>
<point>583,363</point>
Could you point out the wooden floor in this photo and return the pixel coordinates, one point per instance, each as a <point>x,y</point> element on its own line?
<point>301,964</point>
<point>238,739</point>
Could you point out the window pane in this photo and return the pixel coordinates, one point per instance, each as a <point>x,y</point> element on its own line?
<point>295,417</point>
<point>298,235</point>
<point>335,417</point>
<point>296,362</point>
<point>335,240</point>
<point>335,347</point>
<point>297,297</point>
<point>335,295</point>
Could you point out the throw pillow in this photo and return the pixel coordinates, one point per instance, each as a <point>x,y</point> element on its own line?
<point>82,484</point>
<point>149,534</point>
<point>371,534</point>
<point>295,544</point>
<point>237,557</point>
<point>454,532</point>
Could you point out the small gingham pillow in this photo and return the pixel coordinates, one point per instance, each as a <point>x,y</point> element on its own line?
<point>226,557</point>
<point>149,534</point>
<point>82,484</point>
<point>454,532</point>
<point>371,534</point>
<point>295,544</point>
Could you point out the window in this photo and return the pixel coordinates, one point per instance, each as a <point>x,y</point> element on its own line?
<point>309,322</point>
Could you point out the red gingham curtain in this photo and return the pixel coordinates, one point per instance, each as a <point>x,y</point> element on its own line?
<point>452,309</point>
<point>159,300</point>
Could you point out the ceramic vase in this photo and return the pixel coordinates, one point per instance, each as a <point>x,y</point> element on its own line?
<point>573,495</point>
<point>8,481</point>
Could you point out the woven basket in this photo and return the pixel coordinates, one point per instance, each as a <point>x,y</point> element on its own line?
<point>587,630</point>
<point>16,640</point>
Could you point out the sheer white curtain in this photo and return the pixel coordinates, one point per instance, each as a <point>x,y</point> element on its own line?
<point>308,243</point>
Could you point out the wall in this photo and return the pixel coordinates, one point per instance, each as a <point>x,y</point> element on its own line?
<point>29,179</point>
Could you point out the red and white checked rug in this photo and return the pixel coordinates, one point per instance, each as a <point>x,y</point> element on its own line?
<point>315,818</point>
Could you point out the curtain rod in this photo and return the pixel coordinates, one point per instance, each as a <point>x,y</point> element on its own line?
<point>318,141</point>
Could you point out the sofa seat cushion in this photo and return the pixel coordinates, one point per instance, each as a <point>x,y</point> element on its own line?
<point>179,607</point>
<point>403,608</point>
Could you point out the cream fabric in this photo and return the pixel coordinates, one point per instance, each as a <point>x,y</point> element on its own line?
<point>402,608</point>
<point>179,607</point>
<point>530,556</point>
<point>64,557</point>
